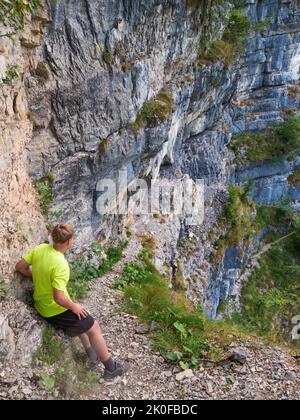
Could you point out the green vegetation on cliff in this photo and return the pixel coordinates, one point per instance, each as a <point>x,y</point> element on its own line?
<point>92,265</point>
<point>238,220</point>
<point>12,12</point>
<point>12,74</point>
<point>272,144</point>
<point>3,289</point>
<point>271,297</point>
<point>155,111</point>
<point>294,179</point>
<point>44,190</point>
<point>237,27</point>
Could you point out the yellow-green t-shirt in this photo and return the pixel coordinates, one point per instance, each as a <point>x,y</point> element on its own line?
<point>50,270</point>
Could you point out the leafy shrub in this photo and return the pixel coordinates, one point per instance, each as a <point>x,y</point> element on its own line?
<point>45,194</point>
<point>12,12</point>
<point>238,219</point>
<point>92,266</point>
<point>11,74</point>
<point>154,111</point>
<point>237,28</point>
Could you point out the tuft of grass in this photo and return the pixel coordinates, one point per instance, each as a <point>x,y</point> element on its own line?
<point>219,50</point>
<point>92,266</point>
<point>294,91</point>
<point>149,242</point>
<point>238,26</point>
<point>86,380</point>
<point>272,144</point>
<point>3,289</point>
<point>238,218</point>
<point>183,336</point>
<point>107,57</point>
<point>52,348</point>
<point>154,111</point>
<point>42,73</point>
<point>178,281</point>
<point>103,146</point>
<point>12,74</point>
<point>45,194</point>
<point>13,12</point>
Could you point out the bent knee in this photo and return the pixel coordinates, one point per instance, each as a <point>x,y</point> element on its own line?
<point>95,328</point>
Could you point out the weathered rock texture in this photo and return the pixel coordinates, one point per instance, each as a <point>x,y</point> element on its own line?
<point>21,224</point>
<point>97,64</point>
<point>105,59</point>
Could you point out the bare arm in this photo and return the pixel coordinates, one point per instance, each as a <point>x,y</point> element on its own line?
<point>62,300</point>
<point>24,268</point>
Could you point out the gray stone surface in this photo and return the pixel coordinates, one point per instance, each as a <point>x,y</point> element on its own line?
<point>105,60</point>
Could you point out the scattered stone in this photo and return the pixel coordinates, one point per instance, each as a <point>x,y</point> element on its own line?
<point>239,355</point>
<point>168,374</point>
<point>142,329</point>
<point>130,356</point>
<point>290,376</point>
<point>186,374</point>
<point>209,388</point>
<point>152,378</point>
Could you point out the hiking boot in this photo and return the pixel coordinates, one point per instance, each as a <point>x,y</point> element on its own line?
<point>118,371</point>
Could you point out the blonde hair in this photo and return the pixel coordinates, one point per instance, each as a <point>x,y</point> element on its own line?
<point>62,233</point>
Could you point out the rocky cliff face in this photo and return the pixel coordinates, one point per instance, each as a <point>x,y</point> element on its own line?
<point>21,222</point>
<point>20,216</point>
<point>98,64</point>
<point>106,60</point>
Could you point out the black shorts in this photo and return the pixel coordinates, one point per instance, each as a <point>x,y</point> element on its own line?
<point>70,324</point>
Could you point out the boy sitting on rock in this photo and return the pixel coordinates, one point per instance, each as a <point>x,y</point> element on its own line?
<point>50,272</point>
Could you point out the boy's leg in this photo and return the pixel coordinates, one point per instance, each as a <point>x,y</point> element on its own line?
<point>112,368</point>
<point>97,342</point>
<point>92,355</point>
<point>85,341</point>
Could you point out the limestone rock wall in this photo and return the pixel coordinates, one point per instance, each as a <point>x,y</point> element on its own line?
<point>22,225</point>
<point>105,60</point>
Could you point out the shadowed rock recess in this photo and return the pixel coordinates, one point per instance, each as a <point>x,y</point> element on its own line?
<point>93,88</point>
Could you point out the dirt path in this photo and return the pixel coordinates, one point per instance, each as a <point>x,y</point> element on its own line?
<point>268,373</point>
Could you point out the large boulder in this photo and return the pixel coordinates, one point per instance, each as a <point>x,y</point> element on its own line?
<point>20,331</point>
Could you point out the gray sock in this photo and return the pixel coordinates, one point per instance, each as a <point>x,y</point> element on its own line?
<point>92,355</point>
<point>110,364</point>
